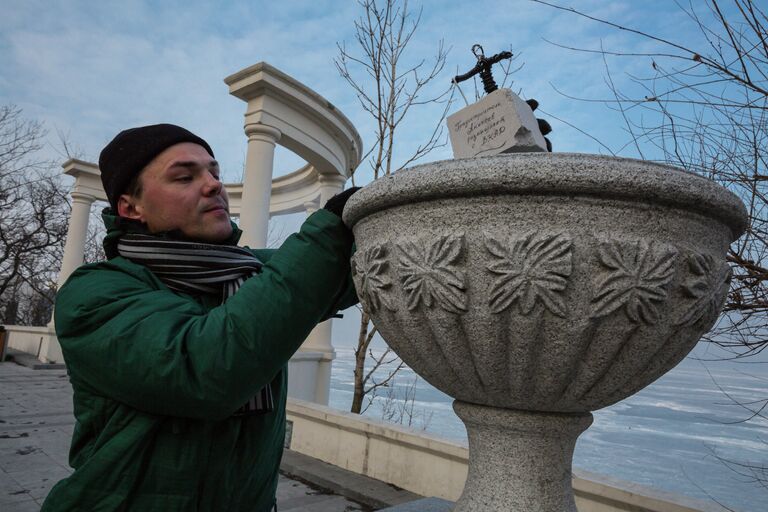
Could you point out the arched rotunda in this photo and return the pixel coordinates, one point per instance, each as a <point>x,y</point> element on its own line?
<point>279,110</point>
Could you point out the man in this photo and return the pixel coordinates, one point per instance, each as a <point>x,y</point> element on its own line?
<point>177,345</point>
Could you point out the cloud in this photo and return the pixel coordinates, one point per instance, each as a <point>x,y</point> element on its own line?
<point>97,70</point>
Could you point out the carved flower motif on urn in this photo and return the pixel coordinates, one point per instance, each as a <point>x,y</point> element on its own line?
<point>535,288</point>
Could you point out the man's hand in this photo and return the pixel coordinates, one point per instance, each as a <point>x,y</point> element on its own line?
<point>336,203</point>
<point>544,126</point>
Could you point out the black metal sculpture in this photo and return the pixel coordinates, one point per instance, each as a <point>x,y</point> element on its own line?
<point>483,67</point>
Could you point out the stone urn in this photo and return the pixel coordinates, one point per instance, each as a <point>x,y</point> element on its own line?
<point>534,288</point>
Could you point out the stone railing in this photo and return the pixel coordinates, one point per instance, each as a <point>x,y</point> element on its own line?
<point>30,340</point>
<point>431,466</point>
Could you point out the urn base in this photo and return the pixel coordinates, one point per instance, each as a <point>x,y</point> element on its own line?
<point>519,460</point>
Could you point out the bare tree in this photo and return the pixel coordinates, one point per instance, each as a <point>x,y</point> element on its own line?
<point>389,85</point>
<point>93,249</point>
<point>397,407</point>
<point>33,220</point>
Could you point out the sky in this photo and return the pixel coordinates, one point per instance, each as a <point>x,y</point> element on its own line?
<point>88,69</point>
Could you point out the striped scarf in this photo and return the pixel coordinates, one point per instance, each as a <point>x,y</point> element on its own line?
<point>196,268</point>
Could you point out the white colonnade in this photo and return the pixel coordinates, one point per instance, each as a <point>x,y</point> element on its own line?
<point>280,110</point>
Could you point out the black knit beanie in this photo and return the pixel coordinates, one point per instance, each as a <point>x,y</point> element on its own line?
<point>131,150</point>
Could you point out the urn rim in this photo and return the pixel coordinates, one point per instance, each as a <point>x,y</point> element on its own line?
<point>553,174</point>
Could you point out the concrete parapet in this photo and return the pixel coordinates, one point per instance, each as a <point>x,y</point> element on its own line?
<point>421,464</point>
<point>30,340</point>
<point>431,466</point>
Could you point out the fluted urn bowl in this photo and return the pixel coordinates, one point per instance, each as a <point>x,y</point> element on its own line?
<point>552,283</point>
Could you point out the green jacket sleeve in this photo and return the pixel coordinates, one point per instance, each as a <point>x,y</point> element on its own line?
<point>347,295</point>
<point>127,337</point>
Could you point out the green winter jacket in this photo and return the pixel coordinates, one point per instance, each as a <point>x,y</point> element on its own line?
<point>157,375</point>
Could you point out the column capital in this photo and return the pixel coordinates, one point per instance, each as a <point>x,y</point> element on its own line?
<point>259,131</point>
<point>81,197</point>
<point>330,185</point>
<point>311,207</point>
<point>332,180</point>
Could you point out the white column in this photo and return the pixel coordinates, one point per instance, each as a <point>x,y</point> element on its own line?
<point>330,185</point>
<point>74,248</point>
<point>319,342</point>
<point>257,184</point>
<point>77,231</point>
<point>310,207</point>
<point>320,339</point>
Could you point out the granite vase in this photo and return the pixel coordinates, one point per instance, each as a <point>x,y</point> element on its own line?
<point>535,288</point>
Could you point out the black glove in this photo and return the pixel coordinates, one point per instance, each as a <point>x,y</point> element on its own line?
<point>336,203</point>
<point>544,126</point>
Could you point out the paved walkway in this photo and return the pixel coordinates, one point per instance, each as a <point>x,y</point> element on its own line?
<point>36,425</point>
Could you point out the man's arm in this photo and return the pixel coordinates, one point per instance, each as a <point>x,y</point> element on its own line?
<point>347,295</point>
<point>164,354</point>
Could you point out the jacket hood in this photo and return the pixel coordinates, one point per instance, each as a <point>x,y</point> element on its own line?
<point>118,226</point>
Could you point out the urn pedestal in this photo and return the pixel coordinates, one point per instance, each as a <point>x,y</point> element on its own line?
<point>535,288</point>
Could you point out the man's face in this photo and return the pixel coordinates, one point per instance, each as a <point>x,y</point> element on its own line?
<point>180,189</point>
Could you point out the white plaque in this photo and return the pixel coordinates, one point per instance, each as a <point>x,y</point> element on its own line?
<point>500,122</point>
